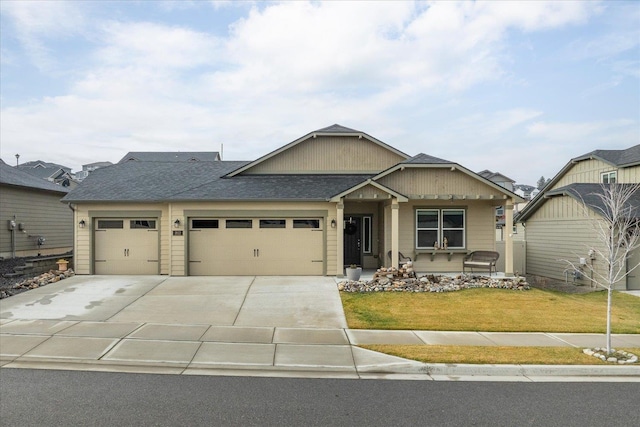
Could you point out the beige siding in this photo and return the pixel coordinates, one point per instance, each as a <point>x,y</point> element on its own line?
<point>42,214</point>
<point>367,192</point>
<point>629,175</point>
<point>480,233</point>
<point>588,171</point>
<point>330,154</point>
<point>416,183</point>
<point>560,231</point>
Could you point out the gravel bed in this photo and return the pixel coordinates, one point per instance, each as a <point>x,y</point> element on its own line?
<point>432,283</point>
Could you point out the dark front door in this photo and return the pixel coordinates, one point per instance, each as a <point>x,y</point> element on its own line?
<point>353,240</point>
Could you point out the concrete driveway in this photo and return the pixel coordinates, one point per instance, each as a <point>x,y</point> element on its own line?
<point>296,302</point>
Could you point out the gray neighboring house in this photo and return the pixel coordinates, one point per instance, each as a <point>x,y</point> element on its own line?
<point>34,221</point>
<point>87,169</point>
<point>163,156</point>
<point>52,172</point>
<point>555,224</point>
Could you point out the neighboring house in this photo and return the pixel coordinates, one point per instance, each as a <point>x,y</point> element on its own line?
<point>87,169</point>
<point>507,183</point>
<point>331,198</point>
<point>556,226</point>
<point>160,156</point>
<point>52,172</point>
<point>33,219</point>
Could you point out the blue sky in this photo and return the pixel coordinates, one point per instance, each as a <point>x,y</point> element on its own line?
<point>515,87</point>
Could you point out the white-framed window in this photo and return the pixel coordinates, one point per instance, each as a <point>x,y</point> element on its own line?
<point>435,225</point>
<point>609,177</point>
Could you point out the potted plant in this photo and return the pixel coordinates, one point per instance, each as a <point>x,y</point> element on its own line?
<point>353,272</point>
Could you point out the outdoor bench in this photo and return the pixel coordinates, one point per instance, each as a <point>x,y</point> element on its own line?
<point>485,260</point>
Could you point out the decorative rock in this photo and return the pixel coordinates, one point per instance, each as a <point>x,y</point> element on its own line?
<point>35,282</point>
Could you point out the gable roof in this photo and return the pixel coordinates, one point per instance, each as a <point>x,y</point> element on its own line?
<point>590,195</point>
<point>202,181</point>
<point>495,176</point>
<point>333,130</point>
<point>10,175</point>
<point>169,156</point>
<point>620,158</point>
<point>425,159</point>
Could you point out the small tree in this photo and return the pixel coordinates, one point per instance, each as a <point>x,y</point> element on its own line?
<point>617,229</point>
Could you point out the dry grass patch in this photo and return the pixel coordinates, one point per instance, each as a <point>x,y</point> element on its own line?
<point>492,354</point>
<point>492,310</point>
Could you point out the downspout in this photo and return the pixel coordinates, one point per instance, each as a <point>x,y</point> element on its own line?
<point>13,238</point>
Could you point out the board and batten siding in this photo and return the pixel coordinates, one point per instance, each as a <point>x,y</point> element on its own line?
<point>561,230</point>
<point>42,214</point>
<point>589,171</point>
<point>417,182</point>
<point>329,154</point>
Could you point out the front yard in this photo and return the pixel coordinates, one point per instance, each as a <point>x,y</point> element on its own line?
<point>492,310</point>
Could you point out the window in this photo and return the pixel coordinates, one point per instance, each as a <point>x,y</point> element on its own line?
<point>366,234</point>
<point>435,225</point>
<point>239,223</point>
<point>204,223</point>
<point>306,223</point>
<point>110,223</point>
<point>273,223</point>
<point>609,177</point>
<point>143,224</point>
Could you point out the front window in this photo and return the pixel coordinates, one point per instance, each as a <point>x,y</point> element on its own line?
<point>609,177</point>
<point>434,227</point>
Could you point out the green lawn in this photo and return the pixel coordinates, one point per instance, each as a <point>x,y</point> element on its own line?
<point>492,310</point>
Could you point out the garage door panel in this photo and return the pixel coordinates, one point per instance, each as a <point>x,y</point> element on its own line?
<point>126,250</point>
<point>256,251</point>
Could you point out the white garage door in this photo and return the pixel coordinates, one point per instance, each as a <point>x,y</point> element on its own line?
<point>257,246</point>
<point>126,246</point>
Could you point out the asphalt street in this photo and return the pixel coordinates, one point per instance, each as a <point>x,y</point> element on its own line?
<point>41,397</point>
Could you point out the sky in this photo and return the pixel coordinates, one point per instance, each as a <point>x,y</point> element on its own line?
<point>514,87</point>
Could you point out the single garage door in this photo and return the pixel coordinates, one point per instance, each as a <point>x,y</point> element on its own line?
<point>126,246</point>
<point>256,246</point>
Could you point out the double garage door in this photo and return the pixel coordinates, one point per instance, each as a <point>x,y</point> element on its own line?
<point>256,246</point>
<point>126,246</point>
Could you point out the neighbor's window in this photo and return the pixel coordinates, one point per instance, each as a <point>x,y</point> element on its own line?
<point>366,234</point>
<point>609,177</point>
<point>434,225</point>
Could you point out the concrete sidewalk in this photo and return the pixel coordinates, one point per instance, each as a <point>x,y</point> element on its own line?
<point>274,351</point>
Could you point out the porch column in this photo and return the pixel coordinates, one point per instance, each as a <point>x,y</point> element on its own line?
<point>340,239</point>
<point>508,238</point>
<point>394,233</point>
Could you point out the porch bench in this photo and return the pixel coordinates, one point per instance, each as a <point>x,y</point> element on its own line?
<point>485,260</point>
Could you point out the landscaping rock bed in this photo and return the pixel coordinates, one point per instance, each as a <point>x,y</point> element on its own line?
<point>620,357</point>
<point>431,283</point>
<point>52,276</point>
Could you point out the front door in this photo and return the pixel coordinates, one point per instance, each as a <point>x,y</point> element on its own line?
<point>353,240</point>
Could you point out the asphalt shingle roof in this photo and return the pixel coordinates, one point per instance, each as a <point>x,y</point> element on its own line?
<point>426,159</point>
<point>591,194</point>
<point>202,181</point>
<point>16,177</point>
<point>163,156</point>
<point>629,156</point>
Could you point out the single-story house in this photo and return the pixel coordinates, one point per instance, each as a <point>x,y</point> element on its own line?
<point>558,228</point>
<point>329,199</point>
<point>34,220</point>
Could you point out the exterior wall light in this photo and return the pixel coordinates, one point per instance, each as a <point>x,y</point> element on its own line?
<point>176,223</point>
<point>82,223</point>
<point>333,223</point>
